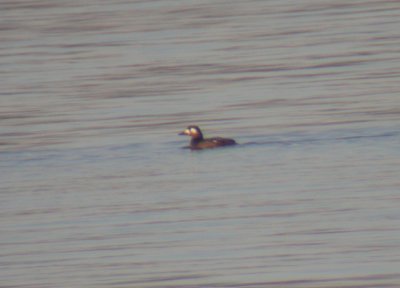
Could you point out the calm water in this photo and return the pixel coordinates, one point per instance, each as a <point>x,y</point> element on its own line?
<point>95,190</point>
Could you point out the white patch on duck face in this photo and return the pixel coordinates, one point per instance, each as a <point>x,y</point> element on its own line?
<point>193,131</point>
<point>186,131</point>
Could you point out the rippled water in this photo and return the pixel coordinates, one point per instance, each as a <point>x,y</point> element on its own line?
<point>96,191</point>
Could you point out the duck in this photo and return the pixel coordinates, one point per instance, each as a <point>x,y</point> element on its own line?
<point>199,142</point>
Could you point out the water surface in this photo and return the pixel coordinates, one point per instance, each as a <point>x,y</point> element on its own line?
<point>96,191</point>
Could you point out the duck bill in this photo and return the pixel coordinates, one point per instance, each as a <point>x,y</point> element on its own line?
<point>185,132</point>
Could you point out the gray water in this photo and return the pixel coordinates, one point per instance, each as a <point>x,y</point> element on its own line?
<point>95,190</point>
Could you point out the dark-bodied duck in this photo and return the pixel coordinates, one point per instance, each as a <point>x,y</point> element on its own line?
<point>199,142</point>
